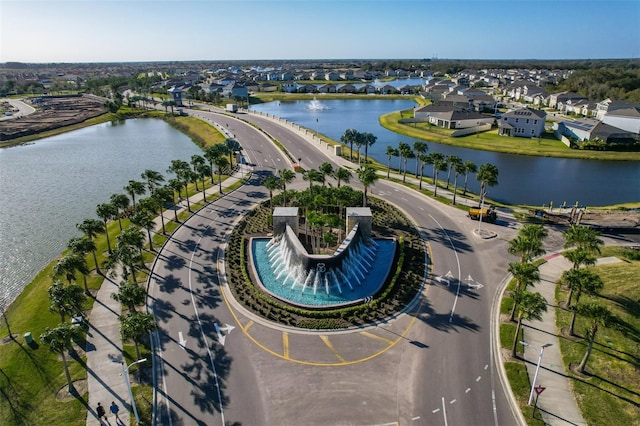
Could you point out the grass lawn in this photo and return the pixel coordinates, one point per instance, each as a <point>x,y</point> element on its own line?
<point>611,390</point>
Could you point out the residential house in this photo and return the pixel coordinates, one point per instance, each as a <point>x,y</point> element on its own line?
<point>268,87</point>
<point>235,89</point>
<point>625,118</point>
<point>367,88</point>
<point>424,113</point>
<point>327,88</point>
<point>307,88</point>
<point>289,86</point>
<point>524,122</point>
<point>611,105</point>
<point>587,129</point>
<point>346,88</point>
<point>459,119</point>
<point>332,76</point>
<point>555,99</point>
<point>387,89</point>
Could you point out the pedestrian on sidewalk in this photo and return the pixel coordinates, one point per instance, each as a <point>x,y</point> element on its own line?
<point>101,413</point>
<point>114,410</point>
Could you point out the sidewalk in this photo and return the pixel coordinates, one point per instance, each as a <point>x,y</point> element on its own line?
<point>556,403</point>
<point>105,381</point>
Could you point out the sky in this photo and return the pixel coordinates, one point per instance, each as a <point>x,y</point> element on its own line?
<point>162,30</point>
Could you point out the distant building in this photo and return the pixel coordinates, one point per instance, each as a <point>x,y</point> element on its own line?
<point>175,93</point>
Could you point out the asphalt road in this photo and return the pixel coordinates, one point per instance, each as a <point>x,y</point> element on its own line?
<point>433,365</point>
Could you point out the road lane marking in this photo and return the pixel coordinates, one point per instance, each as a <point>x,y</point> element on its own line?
<point>452,401</point>
<point>478,379</point>
<point>455,252</point>
<point>415,418</point>
<point>285,344</point>
<point>246,327</point>
<point>486,366</point>
<point>373,336</point>
<point>326,341</point>
<point>444,412</point>
<point>435,411</point>
<point>468,390</point>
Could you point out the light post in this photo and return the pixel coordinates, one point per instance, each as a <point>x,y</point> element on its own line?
<point>125,373</point>
<point>535,375</point>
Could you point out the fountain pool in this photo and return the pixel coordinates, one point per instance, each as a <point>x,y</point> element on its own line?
<point>304,290</point>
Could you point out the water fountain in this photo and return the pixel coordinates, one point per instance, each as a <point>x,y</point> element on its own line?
<point>355,271</point>
<point>316,105</point>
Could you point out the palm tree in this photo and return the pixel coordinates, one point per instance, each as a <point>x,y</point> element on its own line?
<point>120,202</point>
<point>144,220</point>
<point>272,183</point>
<point>342,175</point>
<point>359,141</point>
<point>325,169</point>
<point>458,169</point>
<point>391,152</point>
<point>152,178</point>
<point>469,167</point>
<point>232,146</point>
<point>531,307</point>
<point>134,188</point>
<point>65,300</point>
<point>134,326</point>
<point>69,265</point>
<point>488,176</point>
<point>405,154</point>
<point>402,147</point>
<point>439,165</point>
<point>580,257</point>
<point>419,148</point>
<point>528,243</point>
<point>367,176</point>
<point>82,246</point>
<point>221,163</point>
<point>286,177</point>
<point>424,159</point>
<point>580,281</point>
<point>348,138</point>
<point>92,227</point>
<point>106,212</point>
<point>312,175</point>
<point>368,139</point>
<point>452,161</point>
<point>59,339</point>
<point>162,195</point>
<point>130,294</point>
<point>433,157</point>
<point>582,238</point>
<point>203,170</point>
<point>213,152</point>
<point>525,275</point>
<point>599,315</point>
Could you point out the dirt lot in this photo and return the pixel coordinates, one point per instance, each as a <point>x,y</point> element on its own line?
<point>598,219</point>
<point>51,113</point>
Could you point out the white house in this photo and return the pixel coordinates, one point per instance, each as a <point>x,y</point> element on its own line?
<point>524,122</point>
<point>626,119</point>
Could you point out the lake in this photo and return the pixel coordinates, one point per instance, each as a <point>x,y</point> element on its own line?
<point>49,186</point>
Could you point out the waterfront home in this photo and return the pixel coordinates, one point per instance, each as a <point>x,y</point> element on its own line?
<point>587,129</point>
<point>627,119</point>
<point>524,122</point>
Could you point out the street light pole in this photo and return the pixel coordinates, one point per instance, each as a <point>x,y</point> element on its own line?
<point>535,375</point>
<point>125,373</point>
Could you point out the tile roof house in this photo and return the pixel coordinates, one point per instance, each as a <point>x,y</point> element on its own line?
<point>524,122</point>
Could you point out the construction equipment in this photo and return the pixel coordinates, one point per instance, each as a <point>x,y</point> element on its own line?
<point>488,214</point>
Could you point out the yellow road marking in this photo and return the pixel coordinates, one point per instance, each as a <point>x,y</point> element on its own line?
<point>249,324</point>
<point>373,336</point>
<point>326,341</point>
<point>285,344</point>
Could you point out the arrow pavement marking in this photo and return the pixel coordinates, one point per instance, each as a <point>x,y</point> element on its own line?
<point>181,341</point>
<point>446,278</point>
<point>219,330</point>
<point>470,280</point>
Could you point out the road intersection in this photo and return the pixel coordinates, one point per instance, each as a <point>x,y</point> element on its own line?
<point>434,363</point>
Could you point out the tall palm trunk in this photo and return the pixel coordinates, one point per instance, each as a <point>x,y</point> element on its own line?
<point>515,339</point>
<point>592,338</point>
